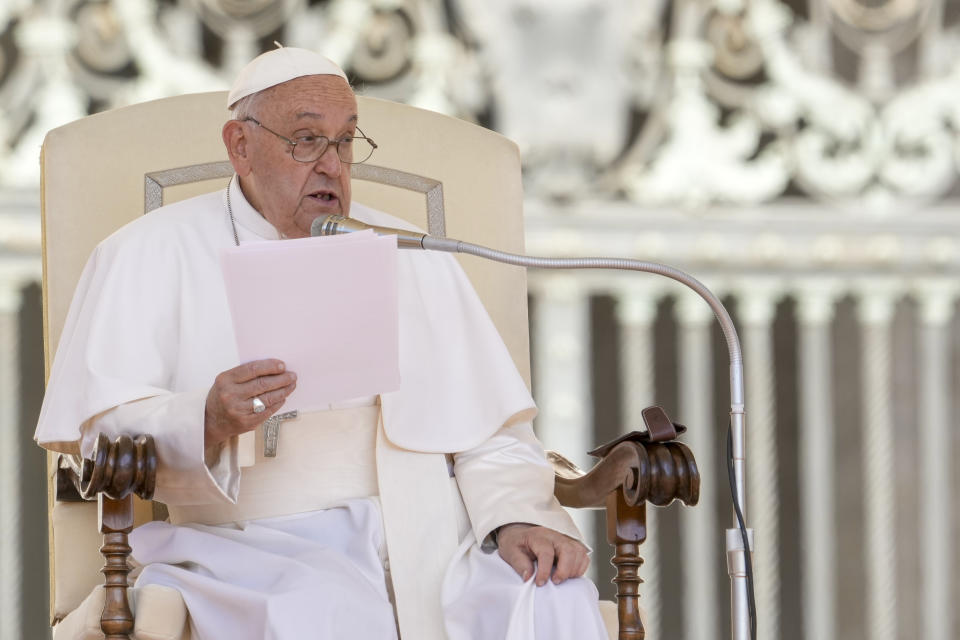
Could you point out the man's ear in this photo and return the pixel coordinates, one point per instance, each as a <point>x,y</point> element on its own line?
<point>235,140</point>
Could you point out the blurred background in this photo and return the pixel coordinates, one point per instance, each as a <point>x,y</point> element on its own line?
<point>800,157</point>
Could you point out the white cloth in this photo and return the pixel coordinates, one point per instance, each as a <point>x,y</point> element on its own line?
<point>322,459</point>
<point>484,598</point>
<point>149,329</point>
<point>416,536</point>
<point>325,575</point>
<point>313,575</point>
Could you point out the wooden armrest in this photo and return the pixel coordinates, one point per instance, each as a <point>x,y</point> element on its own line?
<point>121,468</point>
<point>634,469</point>
<point>656,472</point>
<point>116,472</point>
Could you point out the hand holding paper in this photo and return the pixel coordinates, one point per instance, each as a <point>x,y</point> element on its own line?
<point>326,306</point>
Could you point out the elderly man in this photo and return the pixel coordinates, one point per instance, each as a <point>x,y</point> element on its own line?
<point>359,508</point>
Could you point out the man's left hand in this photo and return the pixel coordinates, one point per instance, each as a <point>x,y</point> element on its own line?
<point>522,544</point>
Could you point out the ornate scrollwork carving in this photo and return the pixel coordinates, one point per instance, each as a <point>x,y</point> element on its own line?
<point>735,53</point>
<point>239,8</point>
<point>260,17</point>
<point>750,98</point>
<point>622,467</point>
<point>382,51</point>
<point>101,41</point>
<point>120,468</point>
<point>878,16</point>
<point>673,475</point>
<point>655,472</point>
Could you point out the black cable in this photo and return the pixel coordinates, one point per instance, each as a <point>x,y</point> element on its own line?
<point>751,600</point>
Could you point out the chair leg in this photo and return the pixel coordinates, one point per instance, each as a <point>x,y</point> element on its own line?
<point>116,521</point>
<point>626,530</point>
<point>628,561</point>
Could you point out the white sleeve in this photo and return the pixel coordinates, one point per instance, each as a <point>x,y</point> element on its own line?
<point>186,474</point>
<point>507,479</point>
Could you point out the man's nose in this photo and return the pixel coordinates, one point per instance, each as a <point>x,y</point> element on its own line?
<point>329,163</point>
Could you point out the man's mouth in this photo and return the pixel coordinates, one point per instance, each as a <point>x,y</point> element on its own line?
<point>324,196</point>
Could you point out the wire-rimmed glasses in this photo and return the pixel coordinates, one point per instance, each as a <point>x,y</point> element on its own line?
<point>309,148</point>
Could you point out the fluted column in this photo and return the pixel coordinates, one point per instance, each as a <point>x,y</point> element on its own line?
<point>815,311</point>
<point>561,375</point>
<point>347,18</point>
<point>936,310</point>
<point>876,315</point>
<point>11,564</point>
<point>702,534</point>
<point>636,310</point>
<point>757,307</point>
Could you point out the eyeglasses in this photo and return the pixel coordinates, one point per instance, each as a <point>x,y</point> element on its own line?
<point>350,149</point>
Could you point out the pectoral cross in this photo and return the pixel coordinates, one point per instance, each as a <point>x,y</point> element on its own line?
<point>271,432</point>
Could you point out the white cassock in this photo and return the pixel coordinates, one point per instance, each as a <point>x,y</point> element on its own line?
<point>301,545</point>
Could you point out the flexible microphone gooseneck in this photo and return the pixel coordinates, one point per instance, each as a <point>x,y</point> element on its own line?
<point>739,538</point>
<point>332,225</point>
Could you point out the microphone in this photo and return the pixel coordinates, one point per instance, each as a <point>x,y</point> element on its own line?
<point>333,224</point>
<point>739,547</point>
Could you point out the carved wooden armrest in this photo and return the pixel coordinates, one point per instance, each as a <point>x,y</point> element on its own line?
<point>635,469</point>
<point>656,472</point>
<point>116,472</point>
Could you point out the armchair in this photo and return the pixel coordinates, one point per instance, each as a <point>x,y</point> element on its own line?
<point>173,146</point>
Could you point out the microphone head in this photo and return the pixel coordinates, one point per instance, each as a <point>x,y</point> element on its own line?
<point>330,225</point>
<point>333,224</point>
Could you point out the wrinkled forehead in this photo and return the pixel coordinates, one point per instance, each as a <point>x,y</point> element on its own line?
<point>324,98</point>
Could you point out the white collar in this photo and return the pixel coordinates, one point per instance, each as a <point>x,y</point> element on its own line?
<point>246,216</point>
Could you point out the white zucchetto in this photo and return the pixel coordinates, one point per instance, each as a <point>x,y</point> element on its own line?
<point>278,66</point>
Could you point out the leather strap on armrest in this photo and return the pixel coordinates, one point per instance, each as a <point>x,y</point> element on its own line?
<point>659,428</point>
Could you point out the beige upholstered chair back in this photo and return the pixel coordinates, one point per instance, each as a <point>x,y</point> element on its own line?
<point>443,174</point>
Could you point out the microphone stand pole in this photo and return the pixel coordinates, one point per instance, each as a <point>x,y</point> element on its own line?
<point>738,537</point>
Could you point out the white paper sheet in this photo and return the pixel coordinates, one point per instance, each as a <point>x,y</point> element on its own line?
<point>326,306</point>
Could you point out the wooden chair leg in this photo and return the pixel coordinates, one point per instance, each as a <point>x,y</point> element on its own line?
<point>637,468</point>
<point>626,530</point>
<point>113,475</point>
<point>116,522</point>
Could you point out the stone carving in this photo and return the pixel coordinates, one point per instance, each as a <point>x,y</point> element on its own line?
<point>689,103</point>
